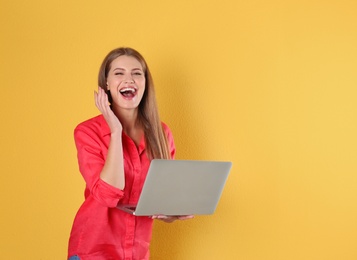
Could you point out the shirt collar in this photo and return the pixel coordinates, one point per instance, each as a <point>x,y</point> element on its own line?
<point>104,126</point>
<point>106,131</point>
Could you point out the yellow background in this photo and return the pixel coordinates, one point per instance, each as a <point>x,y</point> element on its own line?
<point>269,85</point>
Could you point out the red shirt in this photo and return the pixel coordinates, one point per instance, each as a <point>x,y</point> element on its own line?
<point>101,231</point>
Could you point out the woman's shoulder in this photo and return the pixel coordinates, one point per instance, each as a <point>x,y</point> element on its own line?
<point>94,124</point>
<point>166,129</point>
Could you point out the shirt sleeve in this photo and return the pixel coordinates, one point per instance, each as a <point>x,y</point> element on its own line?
<point>91,159</point>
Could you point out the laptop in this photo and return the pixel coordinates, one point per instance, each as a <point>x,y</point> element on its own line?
<point>181,187</point>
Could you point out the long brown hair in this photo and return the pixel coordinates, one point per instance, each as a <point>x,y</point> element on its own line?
<point>155,138</point>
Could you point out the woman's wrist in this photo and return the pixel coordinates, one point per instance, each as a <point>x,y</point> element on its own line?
<point>116,133</point>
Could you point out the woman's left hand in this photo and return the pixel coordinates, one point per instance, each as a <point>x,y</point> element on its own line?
<point>170,219</point>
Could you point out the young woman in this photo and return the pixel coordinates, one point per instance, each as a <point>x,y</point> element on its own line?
<point>114,153</point>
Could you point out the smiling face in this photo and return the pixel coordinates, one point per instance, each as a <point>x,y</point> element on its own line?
<point>126,82</point>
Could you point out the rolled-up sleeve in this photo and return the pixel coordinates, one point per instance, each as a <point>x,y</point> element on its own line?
<point>91,153</point>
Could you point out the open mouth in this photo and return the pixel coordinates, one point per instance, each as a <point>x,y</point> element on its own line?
<point>128,92</point>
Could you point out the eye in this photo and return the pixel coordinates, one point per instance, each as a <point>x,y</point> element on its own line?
<point>137,73</point>
<point>118,73</point>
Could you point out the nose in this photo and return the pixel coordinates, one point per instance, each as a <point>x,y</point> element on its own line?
<point>129,80</point>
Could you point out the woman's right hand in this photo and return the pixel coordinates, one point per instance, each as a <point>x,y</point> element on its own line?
<point>113,170</point>
<point>102,103</point>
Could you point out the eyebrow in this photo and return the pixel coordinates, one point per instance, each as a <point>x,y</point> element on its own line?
<point>125,69</point>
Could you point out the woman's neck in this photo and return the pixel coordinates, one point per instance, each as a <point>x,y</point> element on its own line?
<point>131,126</point>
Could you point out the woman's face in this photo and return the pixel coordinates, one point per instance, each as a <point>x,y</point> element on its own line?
<point>126,82</point>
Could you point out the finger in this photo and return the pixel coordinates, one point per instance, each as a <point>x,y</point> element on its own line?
<point>161,217</point>
<point>102,101</point>
<point>185,217</point>
<point>96,98</point>
<point>105,100</point>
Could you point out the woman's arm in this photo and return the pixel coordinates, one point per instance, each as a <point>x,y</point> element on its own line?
<point>113,170</point>
<point>91,153</point>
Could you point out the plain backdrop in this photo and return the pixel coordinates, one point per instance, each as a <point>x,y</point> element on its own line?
<point>269,85</point>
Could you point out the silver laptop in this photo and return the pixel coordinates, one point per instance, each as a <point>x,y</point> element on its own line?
<point>181,187</point>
